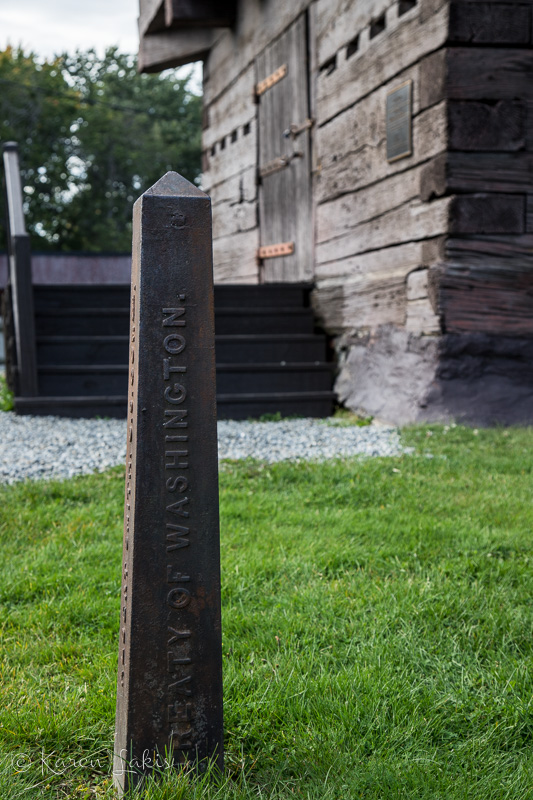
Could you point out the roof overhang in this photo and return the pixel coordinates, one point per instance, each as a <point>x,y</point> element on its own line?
<point>176,32</point>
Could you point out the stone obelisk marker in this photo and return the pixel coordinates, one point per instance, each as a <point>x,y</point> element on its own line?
<point>169,700</point>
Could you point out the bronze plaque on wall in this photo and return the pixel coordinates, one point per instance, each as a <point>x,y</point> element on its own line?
<point>398,121</point>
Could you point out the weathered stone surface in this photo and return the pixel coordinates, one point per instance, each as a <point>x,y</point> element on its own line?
<point>471,378</point>
<point>169,699</point>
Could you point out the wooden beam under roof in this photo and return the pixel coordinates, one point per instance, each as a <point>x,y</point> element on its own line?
<point>200,13</point>
<point>151,16</point>
<point>172,49</point>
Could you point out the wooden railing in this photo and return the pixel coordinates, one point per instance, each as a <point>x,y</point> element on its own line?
<point>20,279</point>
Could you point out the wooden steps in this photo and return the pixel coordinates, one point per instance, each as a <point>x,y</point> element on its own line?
<point>269,357</point>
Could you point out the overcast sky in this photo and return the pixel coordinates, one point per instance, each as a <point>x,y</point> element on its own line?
<point>54,26</point>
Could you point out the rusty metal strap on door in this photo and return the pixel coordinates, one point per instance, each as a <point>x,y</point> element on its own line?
<point>271,80</point>
<point>278,163</point>
<point>296,129</point>
<point>276,250</point>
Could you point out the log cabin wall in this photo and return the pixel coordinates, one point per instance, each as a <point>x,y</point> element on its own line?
<point>376,238</point>
<point>422,265</point>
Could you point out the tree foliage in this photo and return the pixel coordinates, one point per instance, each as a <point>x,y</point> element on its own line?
<point>93,135</point>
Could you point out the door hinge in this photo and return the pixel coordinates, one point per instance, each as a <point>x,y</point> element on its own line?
<point>274,250</point>
<point>271,80</point>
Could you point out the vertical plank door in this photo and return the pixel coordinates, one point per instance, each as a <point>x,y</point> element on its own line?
<point>285,193</point>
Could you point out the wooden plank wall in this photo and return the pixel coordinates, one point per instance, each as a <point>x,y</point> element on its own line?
<point>373,227</point>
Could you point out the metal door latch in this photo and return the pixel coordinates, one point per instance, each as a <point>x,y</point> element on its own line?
<point>295,130</point>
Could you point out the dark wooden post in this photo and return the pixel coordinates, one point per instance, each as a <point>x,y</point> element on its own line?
<point>169,699</point>
<point>20,280</point>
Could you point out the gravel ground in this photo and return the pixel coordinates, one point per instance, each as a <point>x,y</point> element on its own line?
<point>53,447</point>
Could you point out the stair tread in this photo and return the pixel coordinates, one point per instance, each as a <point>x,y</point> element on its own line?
<point>262,310</point>
<point>233,337</point>
<point>81,338</point>
<point>90,399</point>
<point>73,368</point>
<point>289,366</point>
<point>79,310</point>
<point>244,397</point>
<point>264,366</point>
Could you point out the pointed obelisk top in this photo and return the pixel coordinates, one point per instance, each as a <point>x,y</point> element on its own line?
<point>172,184</point>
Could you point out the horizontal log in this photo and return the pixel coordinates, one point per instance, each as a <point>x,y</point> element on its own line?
<point>512,253</point>
<point>160,51</point>
<point>234,217</point>
<point>489,73</point>
<point>487,126</point>
<point>529,129</point>
<point>452,173</point>
<point>490,23</point>
<point>151,16</point>
<point>398,260</point>
<point>232,159</point>
<point>239,188</point>
<point>362,305</point>
<point>200,13</point>
<point>338,216</point>
<point>232,110</point>
<point>339,21</point>
<point>487,300</point>
<point>385,57</point>
<point>366,291</point>
<point>351,149</point>
<point>487,213</point>
<point>411,222</point>
<point>234,258</point>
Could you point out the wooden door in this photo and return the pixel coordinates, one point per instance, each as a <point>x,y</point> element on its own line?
<point>284,132</point>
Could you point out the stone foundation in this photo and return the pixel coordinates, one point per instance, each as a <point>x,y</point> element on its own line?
<point>402,378</point>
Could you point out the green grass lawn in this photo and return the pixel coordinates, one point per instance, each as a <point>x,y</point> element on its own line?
<point>378,627</point>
